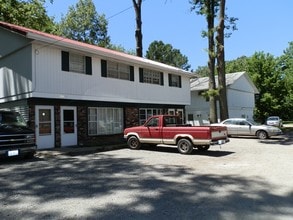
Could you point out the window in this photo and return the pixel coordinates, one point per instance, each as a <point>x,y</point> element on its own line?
<point>117,70</point>
<point>151,76</point>
<point>77,63</point>
<point>105,121</point>
<point>174,80</point>
<point>190,117</point>
<point>154,122</point>
<point>145,113</point>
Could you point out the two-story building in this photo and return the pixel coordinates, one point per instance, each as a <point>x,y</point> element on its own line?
<point>74,93</point>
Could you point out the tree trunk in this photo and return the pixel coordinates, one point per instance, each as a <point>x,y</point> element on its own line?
<point>211,64</point>
<point>138,31</point>
<point>221,63</point>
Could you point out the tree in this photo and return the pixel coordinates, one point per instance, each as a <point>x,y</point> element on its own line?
<point>83,23</point>
<point>270,83</point>
<point>221,63</point>
<point>237,65</point>
<point>165,53</point>
<point>208,8</point>
<point>285,66</point>
<point>30,14</point>
<point>138,32</point>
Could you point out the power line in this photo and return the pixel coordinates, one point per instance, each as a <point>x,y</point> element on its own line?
<point>120,12</point>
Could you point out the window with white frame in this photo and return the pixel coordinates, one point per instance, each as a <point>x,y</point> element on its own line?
<point>151,76</point>
<point>105,121</point>
<point>77,63</point>
<point>145,113</point>
<point>118,70</point>
<point>174,80</point>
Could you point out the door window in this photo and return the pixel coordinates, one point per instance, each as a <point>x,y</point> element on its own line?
<point>45,122</point>
<point>68,121</point>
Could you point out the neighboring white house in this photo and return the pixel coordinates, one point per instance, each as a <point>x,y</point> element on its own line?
<point>79,94</point>
<point>240,96</point>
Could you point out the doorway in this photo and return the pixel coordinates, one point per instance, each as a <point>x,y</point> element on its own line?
<point>45,128</point>
<point>68,126</point>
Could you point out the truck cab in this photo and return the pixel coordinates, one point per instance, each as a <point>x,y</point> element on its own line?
<point>16,139</point>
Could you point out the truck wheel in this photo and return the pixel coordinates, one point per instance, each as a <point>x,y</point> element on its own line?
<point>262,135</point>
<point>203,148</point>
<point>133,143</point>
<point>184,146</point>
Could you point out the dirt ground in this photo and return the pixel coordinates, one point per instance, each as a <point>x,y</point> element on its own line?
<point>243,179</point>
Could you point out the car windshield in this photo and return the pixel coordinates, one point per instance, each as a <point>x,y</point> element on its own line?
<point>273,119</point>
<point>11,118</point>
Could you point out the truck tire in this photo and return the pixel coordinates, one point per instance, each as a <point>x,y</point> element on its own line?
<point>184,146</point>
<point>133,143</point>
<point>203,147</point>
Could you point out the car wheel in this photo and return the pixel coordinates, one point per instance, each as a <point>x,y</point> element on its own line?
<point>184,146</point>
<point>133,143</point>
<point>262,135</point>
<point>203,147</point>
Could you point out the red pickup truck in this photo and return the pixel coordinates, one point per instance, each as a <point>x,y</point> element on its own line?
<point>164,129</point>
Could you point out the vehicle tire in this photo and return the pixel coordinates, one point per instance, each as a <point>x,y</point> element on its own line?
<point>184,146</point>
<point>262,135</point>
<point>203,147</point>
<point>133,143</point>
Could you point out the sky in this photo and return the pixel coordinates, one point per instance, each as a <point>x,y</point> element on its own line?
<point>263,26</point>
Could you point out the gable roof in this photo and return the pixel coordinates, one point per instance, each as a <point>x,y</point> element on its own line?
<point>202,83</point>
<point>51,39</point>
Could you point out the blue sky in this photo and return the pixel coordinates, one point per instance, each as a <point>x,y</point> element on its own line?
<point>263,25</point>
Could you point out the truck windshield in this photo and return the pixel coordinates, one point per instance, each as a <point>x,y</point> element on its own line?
<point>11,118</point>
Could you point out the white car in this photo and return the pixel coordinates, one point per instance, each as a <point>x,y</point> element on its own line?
<point>274,121</point>
<point>244,127</point>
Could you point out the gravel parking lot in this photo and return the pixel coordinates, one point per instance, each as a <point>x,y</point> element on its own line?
<point>243,179</point>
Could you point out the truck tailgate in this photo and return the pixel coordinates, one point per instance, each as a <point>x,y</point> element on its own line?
<point>218,132</point>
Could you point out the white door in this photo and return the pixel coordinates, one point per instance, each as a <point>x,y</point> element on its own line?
<point>45,127</point>
<point>68,126</point>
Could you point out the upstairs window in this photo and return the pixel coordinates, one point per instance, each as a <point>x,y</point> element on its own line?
<point>174,80</point>
<point>151,76</point>
<point>117,70</point>
<point>77,63</point>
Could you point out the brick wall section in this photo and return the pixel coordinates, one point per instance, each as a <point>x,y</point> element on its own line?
<point>31,116</point>
<point>131,117</point>
<point>57,126</point>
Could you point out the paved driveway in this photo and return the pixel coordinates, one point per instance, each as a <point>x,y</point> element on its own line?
<point>244,179</point>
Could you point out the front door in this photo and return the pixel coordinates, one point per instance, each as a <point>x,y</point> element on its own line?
<point>45,137</point>
<point>68,126</point>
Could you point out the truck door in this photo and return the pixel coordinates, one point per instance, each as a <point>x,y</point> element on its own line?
<point>151,131</point>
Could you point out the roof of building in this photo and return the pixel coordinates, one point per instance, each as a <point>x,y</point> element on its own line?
<point>201,84</point>
<point>51,40</point>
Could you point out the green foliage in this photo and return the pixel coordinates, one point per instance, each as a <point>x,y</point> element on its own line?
<point>238,65</point>
<point>165,53</point>
<point>83,23</point>
<point>31,14</point>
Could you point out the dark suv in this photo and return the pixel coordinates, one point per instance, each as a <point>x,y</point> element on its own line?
<point>16,139</point>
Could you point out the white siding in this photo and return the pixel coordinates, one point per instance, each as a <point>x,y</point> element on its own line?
<point>51,82</point>
<point>241,102</point>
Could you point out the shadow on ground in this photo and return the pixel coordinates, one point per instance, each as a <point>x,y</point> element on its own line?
<point>101,186</point>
